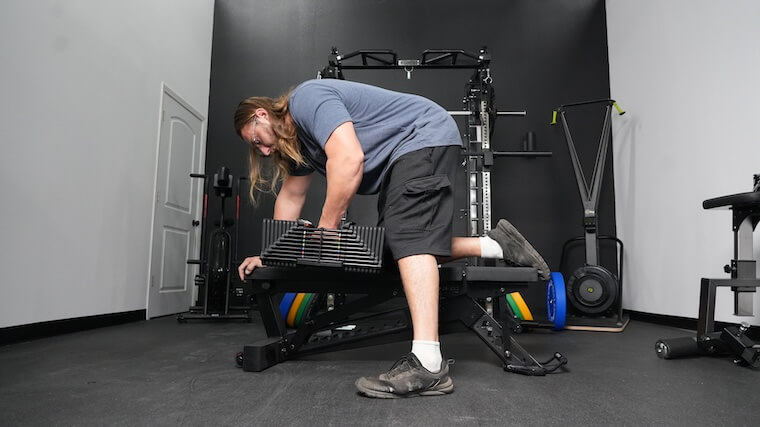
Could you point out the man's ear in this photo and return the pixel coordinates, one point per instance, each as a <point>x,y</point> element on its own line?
<point>262,113</point>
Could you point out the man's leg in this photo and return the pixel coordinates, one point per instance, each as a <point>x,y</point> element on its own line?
<point>416,207</point>
<point>465,247</point>
<point>503,242</point>
<point>419,274</point>
<point>409,376</point>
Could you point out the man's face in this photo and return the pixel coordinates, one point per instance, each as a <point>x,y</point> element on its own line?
<point>258,134</point>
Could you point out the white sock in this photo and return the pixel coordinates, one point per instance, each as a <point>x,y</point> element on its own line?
<point>429,353</point>
<point>490,248</point>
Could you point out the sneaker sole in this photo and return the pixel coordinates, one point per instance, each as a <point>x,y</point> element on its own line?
<point>441,389</point>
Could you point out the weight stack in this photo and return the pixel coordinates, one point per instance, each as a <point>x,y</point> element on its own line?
<point>294,243</point>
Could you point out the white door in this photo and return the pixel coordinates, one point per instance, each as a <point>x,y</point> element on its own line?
<point>175,236</point>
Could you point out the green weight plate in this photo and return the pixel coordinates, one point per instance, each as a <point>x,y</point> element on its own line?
<point>514,307</point>
<point>313,303</point>
<point>291,320</point>
<point>302,309</point>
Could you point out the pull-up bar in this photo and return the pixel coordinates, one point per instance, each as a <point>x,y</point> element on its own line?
<point>384,59</point>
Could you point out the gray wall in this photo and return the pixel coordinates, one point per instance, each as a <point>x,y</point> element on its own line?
<point>686,71</point>
<point>81,84</point>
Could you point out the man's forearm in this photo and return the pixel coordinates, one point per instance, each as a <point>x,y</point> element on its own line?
<point>291,198</point>
<point>288,208</point>
<point>343,179</point>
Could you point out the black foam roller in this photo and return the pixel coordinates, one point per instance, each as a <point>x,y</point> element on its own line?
<point>673,348</point>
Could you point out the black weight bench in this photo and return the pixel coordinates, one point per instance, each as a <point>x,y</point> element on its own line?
<point>469,294</point>
<point>734,339</point>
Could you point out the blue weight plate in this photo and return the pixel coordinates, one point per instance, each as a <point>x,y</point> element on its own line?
<point>287,301</point>
<point>556,300</point>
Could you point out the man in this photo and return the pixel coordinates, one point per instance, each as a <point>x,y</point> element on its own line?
<point>405,148</point>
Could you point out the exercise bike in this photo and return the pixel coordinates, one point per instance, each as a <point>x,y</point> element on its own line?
<point>214,280</point>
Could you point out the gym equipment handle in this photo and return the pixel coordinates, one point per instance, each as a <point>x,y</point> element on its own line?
<point>593,101</point>
<point>563,107</point>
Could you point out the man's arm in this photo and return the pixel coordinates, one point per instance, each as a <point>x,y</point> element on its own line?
<point>288,206</point>
<point>291,197</point>
<point>345,167</point>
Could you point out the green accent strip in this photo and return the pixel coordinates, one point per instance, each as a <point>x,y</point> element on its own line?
<point>513,306</point>
<point>302,309</point>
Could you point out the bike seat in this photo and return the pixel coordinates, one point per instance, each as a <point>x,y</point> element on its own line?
<point>749,200</point>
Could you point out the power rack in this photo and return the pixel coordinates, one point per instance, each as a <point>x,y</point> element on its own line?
<point>479,110</point>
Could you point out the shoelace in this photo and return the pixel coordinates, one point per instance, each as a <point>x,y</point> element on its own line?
<point>399,365</point>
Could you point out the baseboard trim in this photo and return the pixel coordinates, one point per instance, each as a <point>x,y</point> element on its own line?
<point>14,334</point>
<point>675,321</point>
<point>661,319</point>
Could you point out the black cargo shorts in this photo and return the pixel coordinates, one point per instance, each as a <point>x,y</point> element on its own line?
<point>416,202</point>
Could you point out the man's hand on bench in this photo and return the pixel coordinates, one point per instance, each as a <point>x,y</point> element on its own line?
<point>248,265</point>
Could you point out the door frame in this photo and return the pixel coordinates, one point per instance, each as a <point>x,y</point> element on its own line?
<point>166,90</point>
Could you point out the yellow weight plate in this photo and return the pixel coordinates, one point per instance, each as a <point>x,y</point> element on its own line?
<point>293,312</point>
<point>527,315</point>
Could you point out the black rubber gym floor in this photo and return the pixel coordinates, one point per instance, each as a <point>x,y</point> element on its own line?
<point>159,372</point>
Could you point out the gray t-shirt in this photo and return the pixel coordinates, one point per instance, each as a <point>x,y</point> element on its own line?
<point>388,124</point>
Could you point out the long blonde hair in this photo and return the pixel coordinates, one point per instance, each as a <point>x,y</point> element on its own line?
<point>288,153</point>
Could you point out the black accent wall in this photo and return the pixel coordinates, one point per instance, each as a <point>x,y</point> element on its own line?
<point>544,53</point>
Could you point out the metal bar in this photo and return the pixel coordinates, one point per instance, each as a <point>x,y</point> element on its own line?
<point>592,248</point>
<point>485,145</point>
<point>706,321</point>
<point>601,157</point>
<point>449,53</point>
<point>593,101</point>
<point>498,113</point>
<point>743,246</point>
<point>486,201</point>
<point>471,314</point>
<point>510,153</point>
<point>485,123</point>
<point>744,303</point>
<point>365,53</point>
<point>401,67</point>
<point>744,261</point>
<point>579,177</point>
<point>274,325</point>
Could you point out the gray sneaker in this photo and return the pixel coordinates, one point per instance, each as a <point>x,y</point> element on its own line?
<point>407,378</point>
<point>517,250</point>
